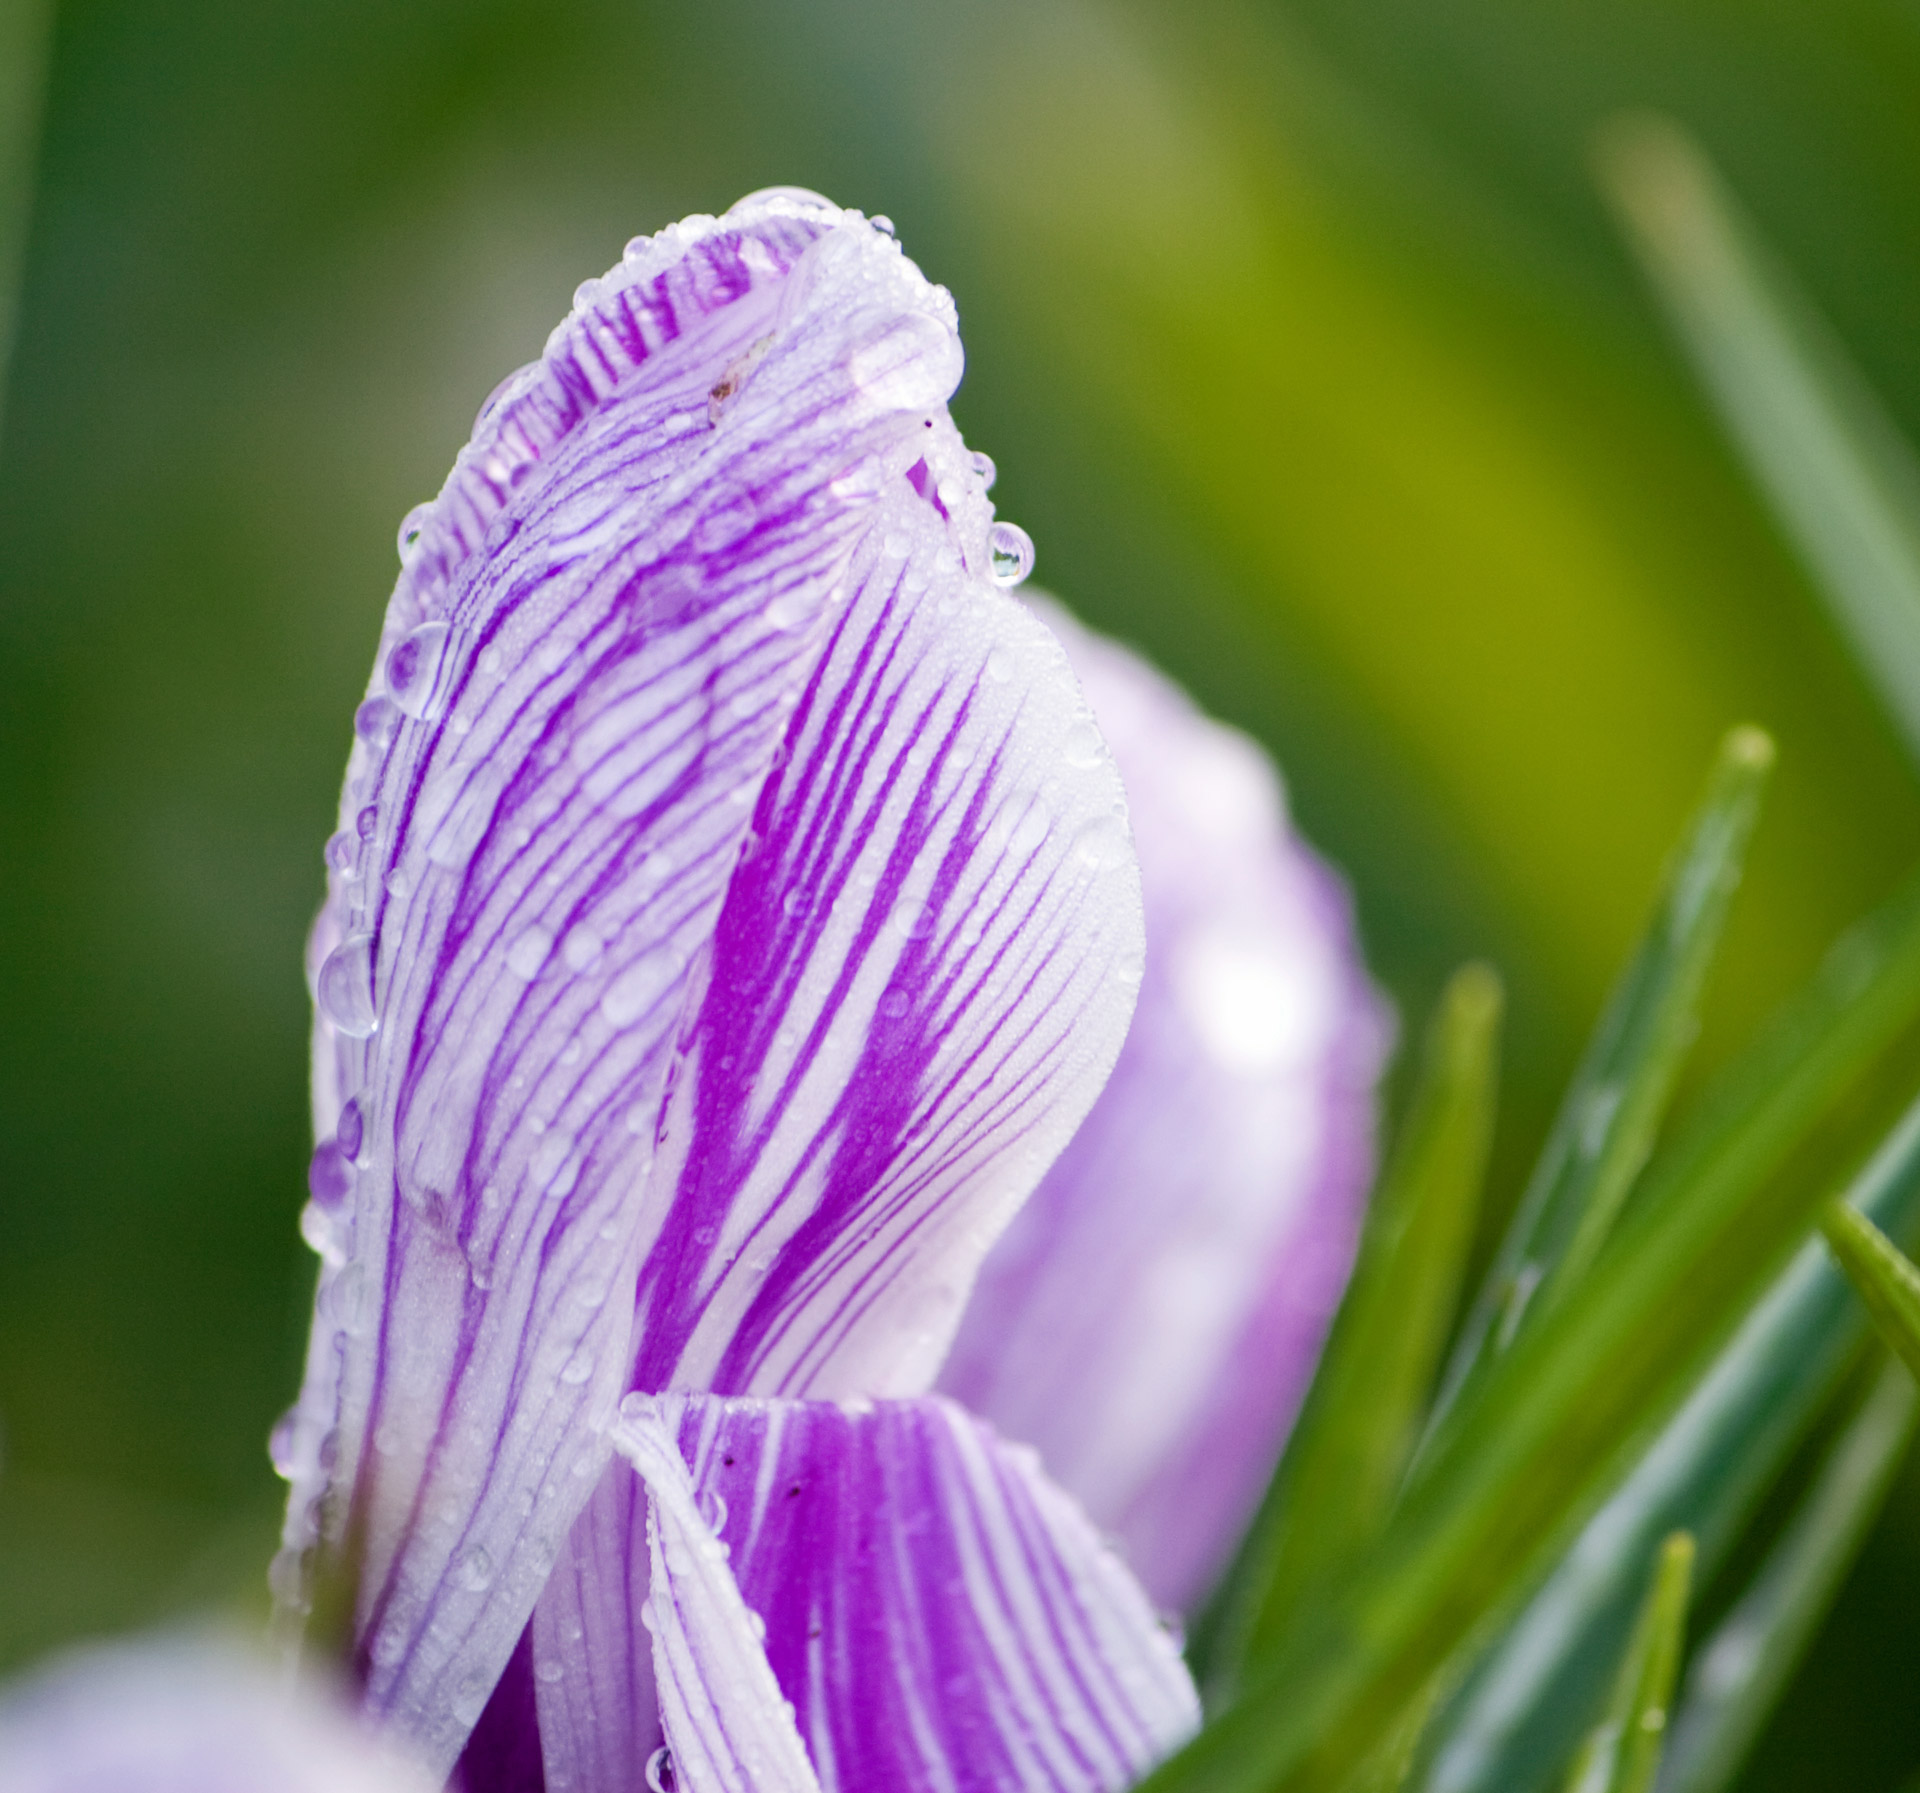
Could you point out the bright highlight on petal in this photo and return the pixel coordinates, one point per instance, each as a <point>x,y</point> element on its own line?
<point>937,1613</point>
<point>1153,1316</point>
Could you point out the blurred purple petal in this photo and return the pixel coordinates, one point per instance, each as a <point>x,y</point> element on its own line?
<point>723,530</point>
<point>185,1716</point>
<point>1151,1320</point>
<point>935,1611</point>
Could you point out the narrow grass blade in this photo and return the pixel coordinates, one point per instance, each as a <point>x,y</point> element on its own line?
<point>1606,1125</point>
<point>1741,1670</point>
<point>1622,1752</point>
<point>1888,1281</point>
<point>1564,1414</point>
<point>1836,472</point>
<point>1343,1464</point>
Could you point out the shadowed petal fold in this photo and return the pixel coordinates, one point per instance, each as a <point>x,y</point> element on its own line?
<point>1152,1318</point>
<point>934,1612</point>
<point>720,936</point>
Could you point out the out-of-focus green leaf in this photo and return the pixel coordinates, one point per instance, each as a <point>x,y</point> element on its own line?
<point>1887,1279</point>
<point>25,28</point>
<point>1386,1768</point>
<point>1740,1671</point>
<point>1529,1698</point>
<point>1511,1477</point>
<point>1336,1483</point>
<point>1622,1752</point>
<point>1612,1110</point>
<point>1836,472</point>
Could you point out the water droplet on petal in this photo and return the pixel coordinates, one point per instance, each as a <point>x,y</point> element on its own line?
<point>635,991</point>
<point>475,1569</point>
<point>529,952</point>
<point>346,988</point>
<point>411,526</point>
<point>470,1699</point>
<point>660,1776</point>
<point>581,949</point>
<point>366,822</point>
<point>351,1128</point>
<point>1010,553</point>
<point>912,918</point>
<point>280,1443</point>
<point>322,1232</point>
<point>413,668</point>
<point>343,856</point>
<point>983,469</point>
<point>1102,842</point>
<point>792,608</point>
<point>375,721</point>
<point>1083,746</point>
<point>912,365</point>
<point>329,1175</point>
<point>713,1509</point>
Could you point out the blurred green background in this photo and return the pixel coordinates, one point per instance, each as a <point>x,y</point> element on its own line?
<point>1307,354</point>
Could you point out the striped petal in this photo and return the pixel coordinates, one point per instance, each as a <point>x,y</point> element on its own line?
<point>923,972</point>
<point>693,686</point>
<point>1151,1320</point>
<point>923,969</point>
<point>892,1586</point>
<point>602,628</point>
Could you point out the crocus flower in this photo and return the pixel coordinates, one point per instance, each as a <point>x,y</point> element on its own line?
<point>733,915</point>
<point>186,1715</point>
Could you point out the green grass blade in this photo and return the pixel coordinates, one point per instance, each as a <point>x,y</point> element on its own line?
<point>1344,1461</point>
<point>1836,472</point>
<point>1887,1280</point>
<point>1741,1670</point>
<point>1622,1752</point>
<point>1712,1461</point>
<point>1556,1425</point>
<point>1606,1125</point>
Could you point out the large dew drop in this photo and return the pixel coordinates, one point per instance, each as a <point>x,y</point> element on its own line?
<point>1010,550</point>
<point>912,365</point>
<point>346,988</point>
<point>413,669</point>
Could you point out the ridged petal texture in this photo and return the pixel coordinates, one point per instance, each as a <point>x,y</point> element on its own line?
<point>725,929</point>
<point>1151,1320</point>
<point>873,1596</point>
<point>186,1715</point>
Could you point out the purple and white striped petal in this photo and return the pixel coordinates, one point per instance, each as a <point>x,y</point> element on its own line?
<point>186,1715</point>
<point>934,1612</point>
<point>1151,1320</point>
<point>706,595</point>
<point>924,968</point>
